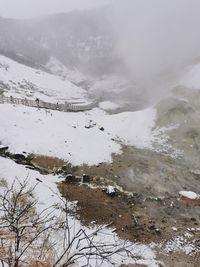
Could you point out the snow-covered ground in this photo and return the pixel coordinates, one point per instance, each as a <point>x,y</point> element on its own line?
<point>189,194</point>
<point>22,81</point>
<point>57,67</point>
<point>86,137</point>
<point>9,171</point>
<point>79,138</point>
<point>142,254</point>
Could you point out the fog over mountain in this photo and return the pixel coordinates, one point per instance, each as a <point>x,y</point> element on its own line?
<point>157,38</point>
<point>81,39</point>
<point>33,8</point>
<point>149,43</point>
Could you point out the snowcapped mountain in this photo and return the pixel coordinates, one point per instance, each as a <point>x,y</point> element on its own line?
<point>81,39</point>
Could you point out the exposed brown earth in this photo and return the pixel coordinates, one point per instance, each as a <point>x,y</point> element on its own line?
<point>132,218</point>
<point>145,172</point>
<point>46,163</point>
<point>179,259</point>
<point>135,218</point>
<point>188,201</point>
<point>151,208</point>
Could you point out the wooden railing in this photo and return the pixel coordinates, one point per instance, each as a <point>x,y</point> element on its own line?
<point>37,103</point>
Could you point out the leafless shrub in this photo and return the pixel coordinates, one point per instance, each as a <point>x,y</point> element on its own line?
<point>32,238</point>
<point>22,227</point>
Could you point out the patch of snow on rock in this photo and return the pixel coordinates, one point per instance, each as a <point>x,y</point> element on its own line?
<point>110,190</point>
<point>189,194</point>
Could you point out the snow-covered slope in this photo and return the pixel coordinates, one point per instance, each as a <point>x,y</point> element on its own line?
<point>141,253</point>
<point>22,81</point>
<point>87,137</point>
<point>58,68</point>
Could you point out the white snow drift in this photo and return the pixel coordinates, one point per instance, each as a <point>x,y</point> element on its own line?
<point>86,137</point>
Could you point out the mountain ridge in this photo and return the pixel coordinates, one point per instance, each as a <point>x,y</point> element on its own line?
<point>82,39</point>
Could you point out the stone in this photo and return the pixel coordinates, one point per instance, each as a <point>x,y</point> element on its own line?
<point>3,149</point>
<point>86,178</point>
<point>111,191</point>
<point>70,178</point>
<point>19,157</point>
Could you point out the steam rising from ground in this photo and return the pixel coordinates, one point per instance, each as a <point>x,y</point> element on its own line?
<point>157,38</point>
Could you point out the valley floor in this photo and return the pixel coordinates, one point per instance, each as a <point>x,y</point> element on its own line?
<point>144,212</point>
<point>137,162</point>
<point>140,214</point>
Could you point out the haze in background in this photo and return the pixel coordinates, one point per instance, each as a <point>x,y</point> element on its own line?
<point>157,38</point>
<point>32,8</point>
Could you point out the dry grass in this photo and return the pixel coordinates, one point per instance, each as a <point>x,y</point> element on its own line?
<point>47,163</point>
<point>7,240</point>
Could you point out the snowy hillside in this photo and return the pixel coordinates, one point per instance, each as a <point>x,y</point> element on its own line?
<point>21,81</point>
<point>89,137</point>
<point>58,68</point>
<point>79,138</point>
<point>86,137</point>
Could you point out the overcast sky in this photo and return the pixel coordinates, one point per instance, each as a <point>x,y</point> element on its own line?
<point>32,8</point>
